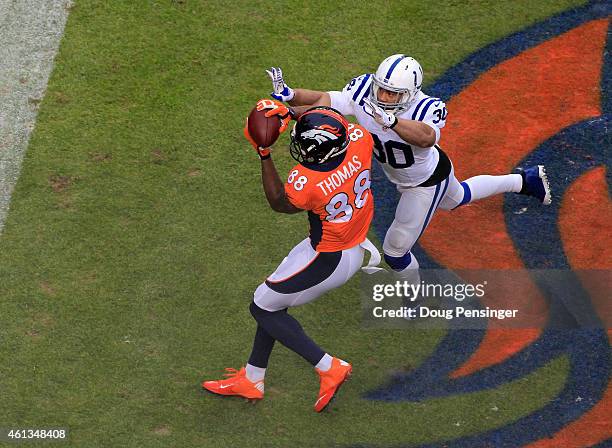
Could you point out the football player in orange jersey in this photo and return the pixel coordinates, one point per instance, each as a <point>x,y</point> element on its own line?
<point>406,126</point>
<point>332,183</point>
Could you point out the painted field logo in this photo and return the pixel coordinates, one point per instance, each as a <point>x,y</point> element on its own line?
<point>538,96</point>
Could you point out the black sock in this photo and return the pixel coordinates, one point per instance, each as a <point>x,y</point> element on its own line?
<point>262,348</point>
<point>524,187</point>
<point>288,331</point>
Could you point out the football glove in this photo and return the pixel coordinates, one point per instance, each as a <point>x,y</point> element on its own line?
<point>381,116</point>
<point>264,153</point>
<point>273,107</point>
<point>281,91</point>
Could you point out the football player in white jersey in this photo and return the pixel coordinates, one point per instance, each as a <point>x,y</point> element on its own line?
<point>406,124</point>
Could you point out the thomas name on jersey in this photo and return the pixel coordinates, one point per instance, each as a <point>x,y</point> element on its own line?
<point>338,177</point>
<point>337,195</point>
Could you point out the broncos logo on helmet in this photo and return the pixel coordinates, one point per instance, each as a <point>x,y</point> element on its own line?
<point>320,134</point>
<point>331,129</point>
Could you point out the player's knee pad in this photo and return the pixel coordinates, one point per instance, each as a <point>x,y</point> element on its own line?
<point>264,297</point>
<point>397,240</point>
<point>260,314</point>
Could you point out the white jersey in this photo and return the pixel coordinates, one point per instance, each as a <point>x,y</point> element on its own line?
<point>404,164</point>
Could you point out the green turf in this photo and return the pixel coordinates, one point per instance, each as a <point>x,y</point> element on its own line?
<point>138,229</point>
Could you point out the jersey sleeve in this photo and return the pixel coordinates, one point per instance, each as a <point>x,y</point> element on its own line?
<point>352,95</point>
<point>296,191</point>
<point>433,112</point>
<point>436,114</point>
<point>367,142</point>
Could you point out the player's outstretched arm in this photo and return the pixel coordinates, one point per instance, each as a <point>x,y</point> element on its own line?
<point>311,98</point>
<point>305,99</point>
<point>275,189</point>
<point>295,97</point>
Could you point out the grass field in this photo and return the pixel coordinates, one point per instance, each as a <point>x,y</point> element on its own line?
<point>138,229</point>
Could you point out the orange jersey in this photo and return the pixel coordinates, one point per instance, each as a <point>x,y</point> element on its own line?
<point>339,200</point>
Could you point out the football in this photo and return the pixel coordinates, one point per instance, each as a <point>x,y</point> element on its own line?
<point>264,130</point>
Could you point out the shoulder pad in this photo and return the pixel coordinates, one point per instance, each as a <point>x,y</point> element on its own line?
<point>426,107</point>
<point>359,87</point>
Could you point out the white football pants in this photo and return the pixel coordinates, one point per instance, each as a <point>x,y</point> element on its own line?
<point>417,206</point>
<point>306,274</point>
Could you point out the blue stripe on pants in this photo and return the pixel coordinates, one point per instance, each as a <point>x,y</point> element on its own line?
<point>431,209</point>
<point>467,194</point>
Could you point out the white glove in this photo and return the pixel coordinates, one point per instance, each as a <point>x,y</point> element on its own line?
<point>382,117</point>
<point>282,92</point>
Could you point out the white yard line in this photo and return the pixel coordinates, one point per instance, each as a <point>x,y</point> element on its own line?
<point>30,33</point>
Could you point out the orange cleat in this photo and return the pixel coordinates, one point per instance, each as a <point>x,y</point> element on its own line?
<point>331,380</point>
<point>236,384</point>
